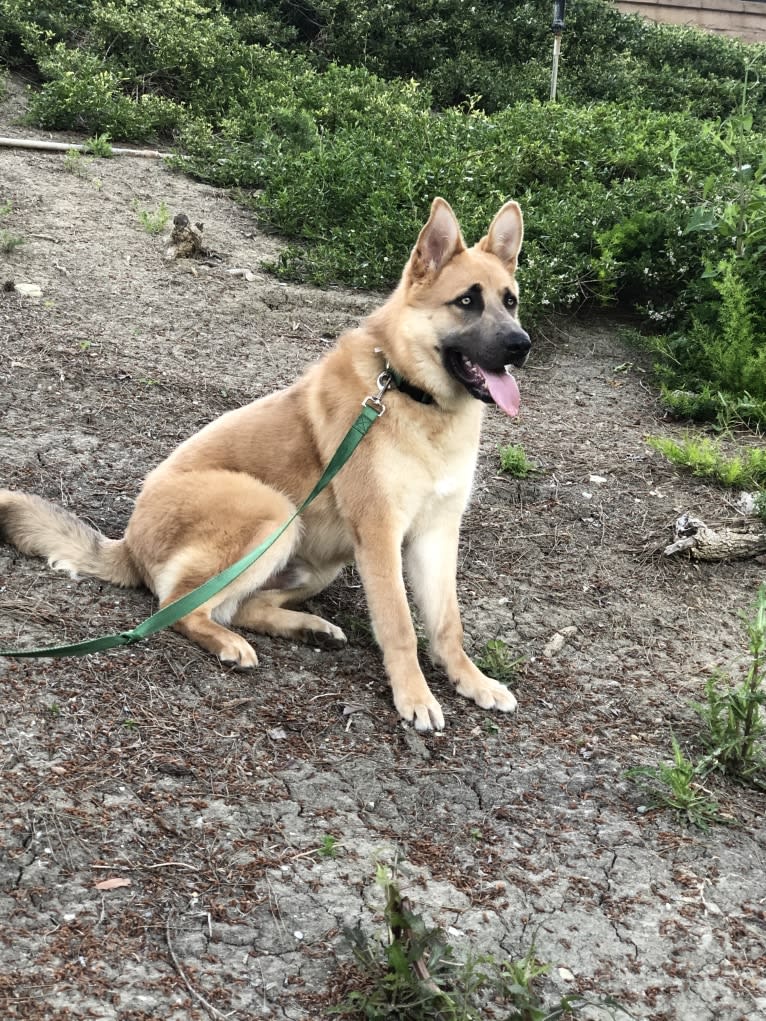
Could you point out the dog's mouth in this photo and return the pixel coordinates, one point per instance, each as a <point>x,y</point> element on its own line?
<point>498,388</point>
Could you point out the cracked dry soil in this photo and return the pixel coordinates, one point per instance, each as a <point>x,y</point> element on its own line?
<point>211,793</point>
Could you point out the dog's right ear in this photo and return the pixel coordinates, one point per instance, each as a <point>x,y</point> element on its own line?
<point>438,242</point>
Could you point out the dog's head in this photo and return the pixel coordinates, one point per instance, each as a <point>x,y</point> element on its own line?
<point>457,310</point>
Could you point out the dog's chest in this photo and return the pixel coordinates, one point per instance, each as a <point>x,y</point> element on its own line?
<point>449,485</point>
<point>429,494</point>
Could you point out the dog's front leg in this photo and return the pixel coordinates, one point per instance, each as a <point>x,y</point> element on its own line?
<point>431,569</point>
<point>379,561</point>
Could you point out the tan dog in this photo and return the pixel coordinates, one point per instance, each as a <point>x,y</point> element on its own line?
<point>447,332</point>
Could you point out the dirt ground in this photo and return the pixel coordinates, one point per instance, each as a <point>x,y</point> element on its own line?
<point>247,813</point>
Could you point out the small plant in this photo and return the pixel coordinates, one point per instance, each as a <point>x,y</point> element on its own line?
<point>329,846</point>
<point>734,725</point>
<point>99,145</point>
<point>416,976</point>
<point>514,461</point>
<point>678,786</point>
<point>703,457</point>
<point>9,242</point>
<point>497,661</point>
<point>156,221</point>
<point>733,734</point>
<point>75,163</point>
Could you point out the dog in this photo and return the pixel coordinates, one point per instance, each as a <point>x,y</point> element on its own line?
<point>444,339</point>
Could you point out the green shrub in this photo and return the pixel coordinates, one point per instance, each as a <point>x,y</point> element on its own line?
<point>348,116</point>
<point>705,458</point>
<point>514,462</point>
<point>716,368</point>
<point>85,93</point>
<point>498,55</point>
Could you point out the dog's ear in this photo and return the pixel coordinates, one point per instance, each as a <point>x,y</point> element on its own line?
<point>438,242</point>
<point>505,235</point>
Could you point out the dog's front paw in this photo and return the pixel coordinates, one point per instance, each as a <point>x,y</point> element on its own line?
<point>238,653</point>
<point>487,693</point>
<point>423,710</point>
<point>328,636</point>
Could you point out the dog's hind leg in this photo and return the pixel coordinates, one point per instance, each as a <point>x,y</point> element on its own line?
<point>206,625</point>
<point>258,615</point>
<point>268,613</point>
<point>216,518</point>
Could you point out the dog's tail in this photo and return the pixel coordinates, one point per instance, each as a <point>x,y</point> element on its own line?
<point>42,529</point>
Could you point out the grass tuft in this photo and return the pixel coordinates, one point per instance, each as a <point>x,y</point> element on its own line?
<point>416,976</point>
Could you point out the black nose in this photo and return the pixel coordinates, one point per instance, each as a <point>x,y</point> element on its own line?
<point>516,344</point>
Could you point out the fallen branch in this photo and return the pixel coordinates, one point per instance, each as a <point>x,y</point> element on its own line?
<point>733,540</point>
<point>46,146</point>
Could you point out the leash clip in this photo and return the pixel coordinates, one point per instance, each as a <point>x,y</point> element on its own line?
<point>383,382</point>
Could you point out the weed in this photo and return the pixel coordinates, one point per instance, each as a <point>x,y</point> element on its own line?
<point>100,146</point>
<point>514,461</point>
<point>9,242</point>
<point>75,163</point>
<point>732,716</point>
<point>733,734</point>
<point>678,786</point>
<point>416,976</point>
<point>704,457</point>
<point>329,846</point>
<point>497,661</point>
<point>156,221</point>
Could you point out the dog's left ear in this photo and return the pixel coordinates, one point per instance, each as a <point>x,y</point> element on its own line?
<point>438,242</point>
<point>505,235</point>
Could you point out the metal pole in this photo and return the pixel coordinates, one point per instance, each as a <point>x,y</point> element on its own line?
<point>555,71</point>
<point>559,7</point>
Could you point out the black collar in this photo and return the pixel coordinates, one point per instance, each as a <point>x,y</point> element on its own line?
<point>401,384</point>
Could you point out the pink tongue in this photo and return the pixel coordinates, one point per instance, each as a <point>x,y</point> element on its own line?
<point>504,390</point>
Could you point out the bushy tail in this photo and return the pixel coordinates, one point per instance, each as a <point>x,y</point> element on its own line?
<point>40,528</point>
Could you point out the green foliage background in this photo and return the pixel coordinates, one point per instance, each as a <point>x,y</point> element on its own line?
<point>339,120</point>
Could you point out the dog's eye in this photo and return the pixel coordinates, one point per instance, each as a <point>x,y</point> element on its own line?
<point>511,301</point>
<point>470,300</point>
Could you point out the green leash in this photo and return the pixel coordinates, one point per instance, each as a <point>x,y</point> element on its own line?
<point>372,408</point>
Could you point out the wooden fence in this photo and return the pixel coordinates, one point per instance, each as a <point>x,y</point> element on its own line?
<point>745,19</point>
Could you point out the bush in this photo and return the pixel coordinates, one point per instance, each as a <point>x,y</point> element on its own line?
<point>580,174</point>
<point>348,116</point>
<point>498,55</point>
